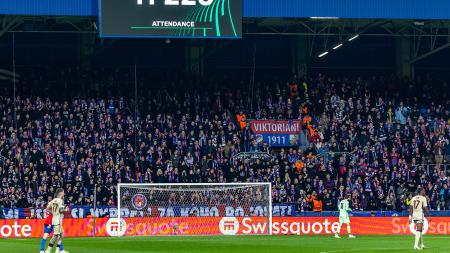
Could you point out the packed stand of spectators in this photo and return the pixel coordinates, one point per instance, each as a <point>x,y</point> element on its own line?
<point>377,139</point>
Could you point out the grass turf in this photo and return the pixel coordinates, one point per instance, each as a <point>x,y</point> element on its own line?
<point>238,244</point>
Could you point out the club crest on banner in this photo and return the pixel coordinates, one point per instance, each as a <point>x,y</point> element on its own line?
<point>139,201</point>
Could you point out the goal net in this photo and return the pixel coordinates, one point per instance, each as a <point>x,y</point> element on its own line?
<point>193,209</point>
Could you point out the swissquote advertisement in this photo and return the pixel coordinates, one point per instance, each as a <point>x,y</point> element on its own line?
<point>173,226</point>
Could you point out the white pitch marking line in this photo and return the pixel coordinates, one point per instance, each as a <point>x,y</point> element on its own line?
<point>347,250</point>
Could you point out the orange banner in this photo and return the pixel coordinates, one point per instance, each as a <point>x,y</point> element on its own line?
<point>35,228</point>
<point>359,225</point>
<point>172,226</point>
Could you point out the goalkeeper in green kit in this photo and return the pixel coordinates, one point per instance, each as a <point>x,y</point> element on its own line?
<point>344,209</point>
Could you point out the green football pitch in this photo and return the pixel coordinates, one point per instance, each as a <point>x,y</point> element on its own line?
<point>242,244</point>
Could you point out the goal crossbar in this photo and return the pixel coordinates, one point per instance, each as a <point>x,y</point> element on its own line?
<point>193,184</point>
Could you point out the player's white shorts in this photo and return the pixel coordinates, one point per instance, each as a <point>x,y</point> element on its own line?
<point>58,230</point>
<point>417,219</point>
<point>344,219</point>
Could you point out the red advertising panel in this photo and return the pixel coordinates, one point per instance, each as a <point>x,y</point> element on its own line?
<point>34,228</point>
<point>172,226</point>
<point>360,226</point>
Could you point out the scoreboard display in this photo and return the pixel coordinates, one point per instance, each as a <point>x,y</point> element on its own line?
<point>171,18</point>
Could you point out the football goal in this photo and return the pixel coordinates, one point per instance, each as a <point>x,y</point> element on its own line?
<point>194,209</point>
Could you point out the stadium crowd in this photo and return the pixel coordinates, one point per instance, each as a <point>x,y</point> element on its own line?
<point>376,139</point>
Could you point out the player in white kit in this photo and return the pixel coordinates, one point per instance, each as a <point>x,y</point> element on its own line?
<point>416,214</point>
<point>344,217</point>
<point>56,207</point>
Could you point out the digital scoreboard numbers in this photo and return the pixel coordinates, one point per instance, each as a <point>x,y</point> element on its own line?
<point>171,18</point>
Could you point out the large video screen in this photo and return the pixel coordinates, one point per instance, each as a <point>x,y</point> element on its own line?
<point>171,18</point>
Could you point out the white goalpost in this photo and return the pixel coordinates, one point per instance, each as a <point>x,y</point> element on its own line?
<point>194,209</point>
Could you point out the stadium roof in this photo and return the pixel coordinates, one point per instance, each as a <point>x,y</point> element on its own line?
<point>385,9</point>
